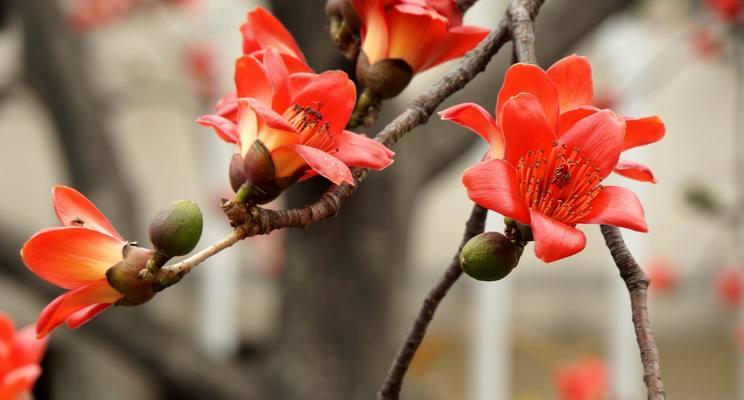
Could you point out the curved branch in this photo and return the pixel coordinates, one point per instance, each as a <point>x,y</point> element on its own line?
<point>637,283</point>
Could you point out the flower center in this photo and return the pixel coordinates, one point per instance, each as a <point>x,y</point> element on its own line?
<point>559,182</point>
<point>314,132</point>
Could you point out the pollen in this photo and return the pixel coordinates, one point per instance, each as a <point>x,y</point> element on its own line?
<point>559,182</point>
<point>313,130</point>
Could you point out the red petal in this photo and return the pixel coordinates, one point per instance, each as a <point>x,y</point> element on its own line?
<point>7,330</point>
<point>642,131</point>
<point>71,207</point>
<point>617,206</point>
<point>572,77</point>
<point>570,118</point>
<point>262,29</point>
<point>634,170</point>
<point>225,129</point>
<point>460,40</point>
<point>298,81</point>
<point>357,150</point>
<point>71,257</point>
<point>554,240</point>
<point>18,382</point>
<point>251,79</point>
<point>493,184</point>
<point>227,107</point>
<point>26,348</point>
<point>78,318</point>
<point>324,164</point>
<point>415,36</point>
<point>374,29</point>
<point>528,78</point>
<point>475,118</point>
<point>525,127</point>
<point>65,305</point>
<point>333,95</point>
<point>600,138</point>
<point>279,77</point>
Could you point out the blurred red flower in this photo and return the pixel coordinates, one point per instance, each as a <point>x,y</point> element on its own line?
<point>200,64</point>
<point>728,10</point>
<point>584,380</point>
<point>729,285</point>
<point>20,355</point>
<point>662,276</point>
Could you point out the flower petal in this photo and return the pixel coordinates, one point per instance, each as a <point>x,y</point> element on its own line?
<point>279,77</point>
<point>333,95</point>
<point>299,80</point>
<point>374,28</point>
<point>572,77</point>
<point>19,381</point>
<point>415,35</point>
<point>357,150</point>
<point>324,164</point>
<point>227,107</point>
<point>493,184</point>
<point>261,29</point>
<point>528,78</point>
<point>71,257</point>
<point>460,40</point>
<point>78,318</point>
<point>643,131</point>
<point>569,118</point>
<point>223,127</point>
<point>476,118</point>
<point>554,240</point>
<point>7,330</point>
<point>617,206</point>
<point>73,301</point>
<point>600,138</point>
<point>634,170</point>
<point>252,80</point>
<point>74,209</point>
<point>525,127</point>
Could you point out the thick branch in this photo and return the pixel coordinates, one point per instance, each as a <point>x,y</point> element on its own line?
<point>393,382</point>
<point>637,283</point>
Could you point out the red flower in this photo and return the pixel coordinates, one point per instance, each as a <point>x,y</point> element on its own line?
<point>75,257</point>
<point>422,33</point>
<point>565,92</point>
<point>585,380</point>
<point>728,10</point>
<point>262,30</point>
<point>299,119</point>
<point>662,276</point>
<point>20,355</point>
<point>729,286</point>
<point>553,182</point>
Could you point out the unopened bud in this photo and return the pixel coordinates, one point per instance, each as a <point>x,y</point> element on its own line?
<point>176,229</point>
<point>237,172</point>
<point>344,27</point>
<point>124,277</point>
<point>386,78</point>
<point>489,256</point>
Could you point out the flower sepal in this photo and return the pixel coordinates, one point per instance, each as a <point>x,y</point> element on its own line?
<point>253,176</point>
<point>384,79</point>
<point>344,27</point>
<point>125,276</point>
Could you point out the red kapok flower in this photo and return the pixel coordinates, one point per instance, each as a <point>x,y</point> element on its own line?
<point>291,127</point>
<point>421,33</point>
<point>565,92</point>
<point>262,30</point>
<point>553,182</point>
<point>585,380</point>
<point>20,355</point>
<point>728,10</point>
<point>75,257</point>
<point>729,286</point>
<point>661,275</point>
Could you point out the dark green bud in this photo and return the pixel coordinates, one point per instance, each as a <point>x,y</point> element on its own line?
<point>124,277</point>
<point>176,230</point>
<point>489,256</point>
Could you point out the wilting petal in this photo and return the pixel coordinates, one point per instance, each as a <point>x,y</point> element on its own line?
<point>26,348</point>
<point>71,257</point>
<point>415,34</point>
<point>600,139</point>
<point>78,318</point>
<point>570,118</point>
<point>19,381</point>
<point>525,127</point>
<point>73,301</point>
<point>374,29</point>
<point>279,77</point>
<point>642,131</point>
<point>252,80</point>
<point>634,170</point>
<point>262,30</point>
<point>617,206</point>
<point>356,150</point>
<point>324,164</point>
<point>475,118</point>
<point>531,79</point>
<point>225,129</point>
<point>572,77</point>
<point>333,95</point>
<point>554,240</point>
<point>74,209</point>
<point>493,184</point>
<point>459,41</point>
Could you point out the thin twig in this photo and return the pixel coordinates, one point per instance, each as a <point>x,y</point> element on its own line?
<point>390,389</point>
<point>637,283</point>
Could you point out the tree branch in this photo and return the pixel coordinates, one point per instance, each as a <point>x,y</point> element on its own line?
<point>637,283</point>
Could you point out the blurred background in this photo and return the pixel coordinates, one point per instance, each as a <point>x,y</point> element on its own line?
<point>102,95</point>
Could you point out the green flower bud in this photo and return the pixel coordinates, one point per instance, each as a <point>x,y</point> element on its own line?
<point>386,78</point>
<point>176,230</point>
<point>489,256</point>
<point>124,277</point>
